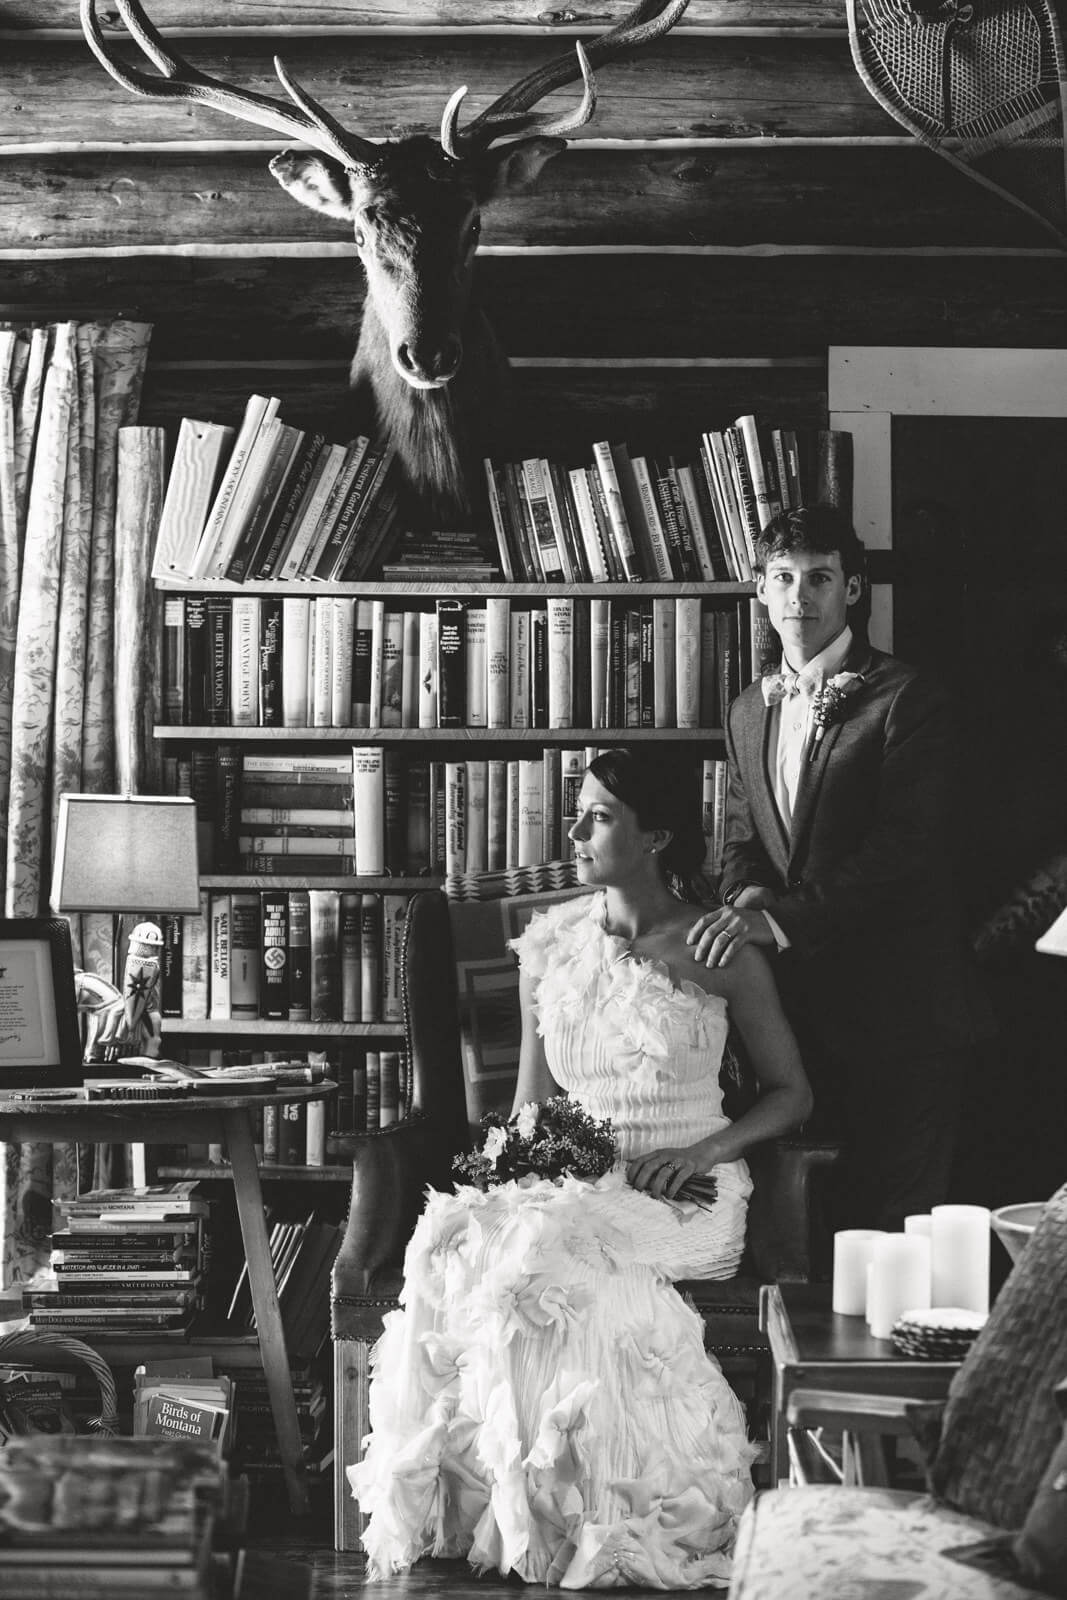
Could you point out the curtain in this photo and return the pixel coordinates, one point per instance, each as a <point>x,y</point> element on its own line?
<point>65,391</point>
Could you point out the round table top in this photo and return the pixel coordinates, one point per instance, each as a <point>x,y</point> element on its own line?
<point>74,1103</point>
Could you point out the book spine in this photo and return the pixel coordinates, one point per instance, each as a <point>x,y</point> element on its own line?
<point>218,662</point>
<point>342,635</point>
<point>392,681</point>
<point>170,973</point>
<point>456,816</point>
<point>496,512</point>
<point>538,666</point>
<point>417,847</point>
<point>537,500</point>
<point>587,525</point>
<point>687,639</point>
<point>292,1133</point>
<point>394,916</point>
<point>599,662</point>
<point>496,816</point>
<point>325,910</point>
<point>245,955</point>
<point>221,914</point>
<point>476,687</point>
<point>351,976</point>
<point>198,456</point>
<point>370,957</point>
<point>369,800</point>
<point>274,955</point>
<point>298,955</point>
<point>477,818</point>
<point>655,536</point>
<point>244,662</point>
<point>172,690</point>
<point>249,547</point>
<point>560,661</point>
<point>519,668</point>
<point>707,568</point>
<point>377,662</point>
<point>616,509</point>
<point>296,633</point>
<point>572,774</point>
<point>663,622</point>
<point>196,961</point>
<point>259,767</point>
<point>498,654</point>
<point>409,677</point>
<point>428,669</point>
<point>531,812</point>
<point>395,823</point>
<point>550,798</point>
<point>451,664</point>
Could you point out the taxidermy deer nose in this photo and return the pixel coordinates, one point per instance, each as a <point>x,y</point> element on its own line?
<point>431,366</point>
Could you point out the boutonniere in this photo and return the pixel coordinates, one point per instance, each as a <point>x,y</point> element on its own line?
<point>828,704</point>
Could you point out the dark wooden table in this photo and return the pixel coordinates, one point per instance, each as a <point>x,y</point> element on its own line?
<point>193,1119</point>
<point>813,1347</point>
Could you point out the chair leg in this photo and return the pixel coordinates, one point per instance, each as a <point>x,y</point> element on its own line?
<point>351,1424</point>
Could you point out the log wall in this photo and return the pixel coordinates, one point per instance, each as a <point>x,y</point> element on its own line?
<point>738,204</point>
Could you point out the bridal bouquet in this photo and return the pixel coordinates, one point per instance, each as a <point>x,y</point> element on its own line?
<point>553,1139</point>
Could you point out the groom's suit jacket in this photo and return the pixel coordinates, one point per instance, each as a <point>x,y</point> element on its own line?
<point>864,877</point>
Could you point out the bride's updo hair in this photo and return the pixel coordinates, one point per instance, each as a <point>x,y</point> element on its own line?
<point>664,792</point>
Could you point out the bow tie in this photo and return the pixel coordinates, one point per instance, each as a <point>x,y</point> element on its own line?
<point>783,685</point>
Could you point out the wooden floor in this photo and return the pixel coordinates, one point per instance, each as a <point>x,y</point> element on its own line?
<point>290,1573</point>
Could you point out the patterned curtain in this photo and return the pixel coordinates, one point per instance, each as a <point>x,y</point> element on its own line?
<point>65,391</point>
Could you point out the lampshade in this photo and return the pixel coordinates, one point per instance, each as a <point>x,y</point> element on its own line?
<point>1054,942</point>
<point>126,853</point>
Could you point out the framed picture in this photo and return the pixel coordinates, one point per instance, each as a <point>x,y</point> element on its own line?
<point>40,1041</point>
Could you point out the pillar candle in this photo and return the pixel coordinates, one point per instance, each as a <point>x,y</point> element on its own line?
<point>921,1223</point>
<point>960,1257</point>
<point>852,1251</point>
<point>899,1281</point>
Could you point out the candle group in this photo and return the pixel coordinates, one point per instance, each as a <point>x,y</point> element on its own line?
<point>941,1259</point>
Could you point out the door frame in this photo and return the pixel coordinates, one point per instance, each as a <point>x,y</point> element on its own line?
<point>869,385</point>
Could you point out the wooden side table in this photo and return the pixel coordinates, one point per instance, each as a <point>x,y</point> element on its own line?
<point>193,1119</point>
<point>813,1347</point>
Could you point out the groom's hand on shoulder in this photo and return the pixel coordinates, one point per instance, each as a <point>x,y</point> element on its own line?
<point>718,935</point>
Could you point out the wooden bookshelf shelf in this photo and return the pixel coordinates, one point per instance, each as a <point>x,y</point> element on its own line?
<point>244,1027</point>
<point>461,736</point>
<point>222,1172</point>
<point>432,589</point>
<point>253,881</point>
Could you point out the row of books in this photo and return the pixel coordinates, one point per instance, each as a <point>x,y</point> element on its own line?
<point>84,1517</point>
<point>626,516</point>
<point>373,1091</point>
<point>268,500</point>
<point>124,1261</point>
<point>296,955</point>
<point>335,662</point>
<point>377,812</point>
<point>302,1255</point>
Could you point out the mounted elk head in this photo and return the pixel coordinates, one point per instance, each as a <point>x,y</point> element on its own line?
<point>427,368</point>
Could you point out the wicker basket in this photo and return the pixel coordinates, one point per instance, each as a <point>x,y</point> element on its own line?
<point>35,1345</point>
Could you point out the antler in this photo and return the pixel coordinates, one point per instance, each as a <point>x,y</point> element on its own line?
<point>305,120</point>
<point>510,113</point>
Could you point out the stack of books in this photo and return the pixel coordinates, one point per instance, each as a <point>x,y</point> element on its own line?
<point>453,556</point>
<point>124,1262</point>
<point>85,1518</point>
<point>183,1399</point>
<point>268,500</point>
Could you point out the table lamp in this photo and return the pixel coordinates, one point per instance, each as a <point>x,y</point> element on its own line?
<point>126,853</point>
<point>1054,941</point>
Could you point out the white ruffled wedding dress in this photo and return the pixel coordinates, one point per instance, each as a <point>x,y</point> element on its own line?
<point>542,1402</point>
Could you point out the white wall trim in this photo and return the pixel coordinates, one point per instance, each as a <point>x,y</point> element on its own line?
<point>868,385</point>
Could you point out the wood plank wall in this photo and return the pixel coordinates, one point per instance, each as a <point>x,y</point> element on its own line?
<point>738,204</point>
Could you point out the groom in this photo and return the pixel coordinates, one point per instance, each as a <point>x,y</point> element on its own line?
<point>838,861</point>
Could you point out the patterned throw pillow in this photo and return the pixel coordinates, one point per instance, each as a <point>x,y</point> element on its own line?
<point>1001,1421</point>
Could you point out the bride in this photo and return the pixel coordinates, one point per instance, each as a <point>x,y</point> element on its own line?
<point>542,1403</point>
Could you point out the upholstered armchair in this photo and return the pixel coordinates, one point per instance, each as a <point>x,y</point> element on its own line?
<point>461,1020</point>
<point>994,1524</point>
